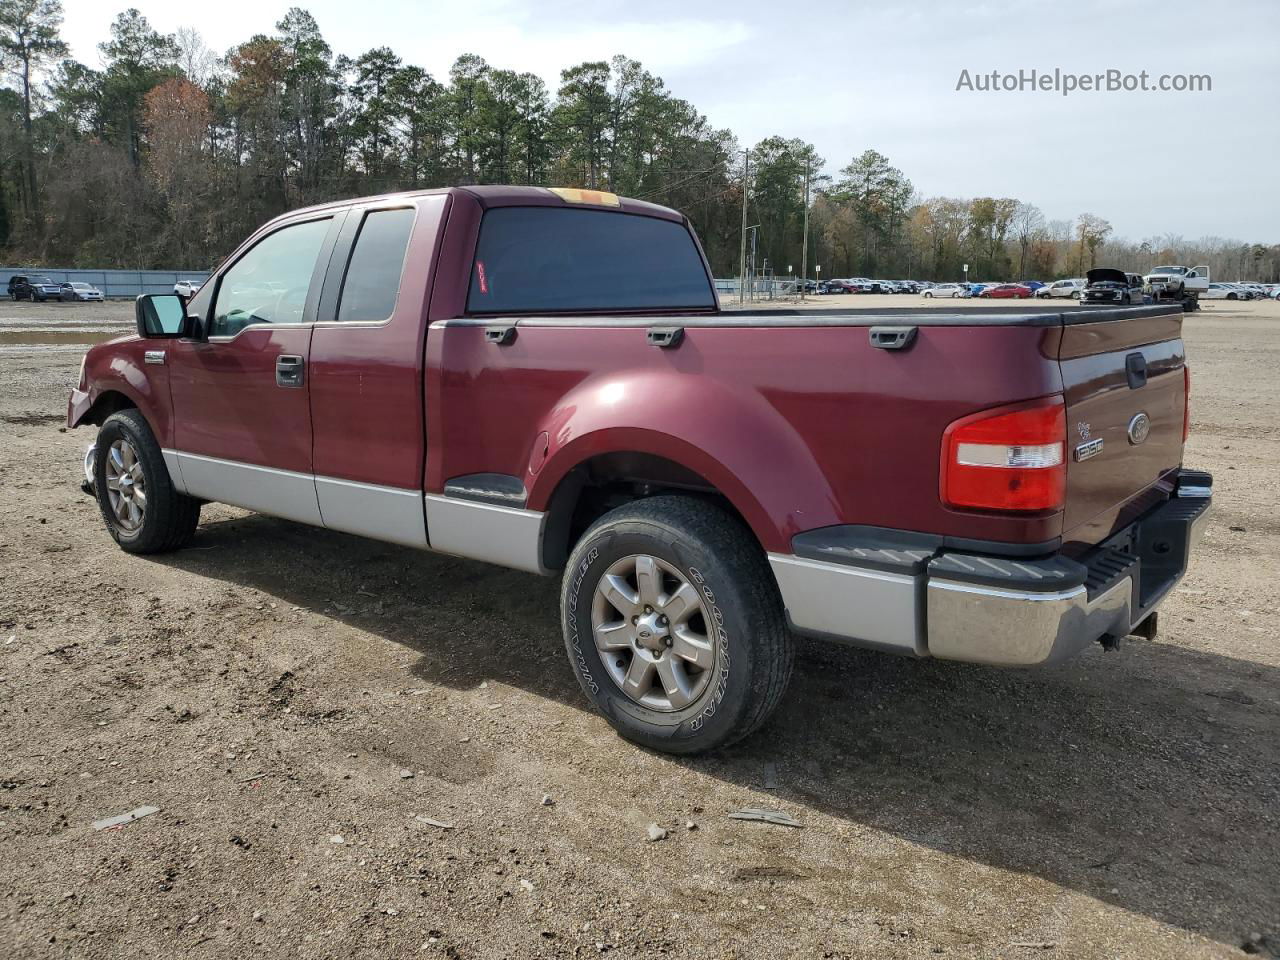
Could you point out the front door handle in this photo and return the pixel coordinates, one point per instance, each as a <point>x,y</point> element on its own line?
<point>289,370</point>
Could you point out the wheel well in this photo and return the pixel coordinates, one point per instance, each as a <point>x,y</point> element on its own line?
<point>112,401</point>
<point>603,483</point>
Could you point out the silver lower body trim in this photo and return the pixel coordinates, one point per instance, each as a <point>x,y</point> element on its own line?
<point>175,470</point>
<point>865,607</point>
<point>506,536</point>
<point>280,493</point>
<point>392,514</point>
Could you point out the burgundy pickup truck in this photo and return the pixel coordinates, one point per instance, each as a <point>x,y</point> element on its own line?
<point>543,379</point>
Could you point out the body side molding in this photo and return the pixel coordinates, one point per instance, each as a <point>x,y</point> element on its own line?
<point>390,514</point>
<point>280,493</point>
<point>506,536</point>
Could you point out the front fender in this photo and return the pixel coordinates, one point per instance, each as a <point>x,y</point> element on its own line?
<point>118,366</point>
<point>730,435</point>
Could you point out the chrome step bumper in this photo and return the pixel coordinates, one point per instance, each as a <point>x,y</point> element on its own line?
<point>915,598</point>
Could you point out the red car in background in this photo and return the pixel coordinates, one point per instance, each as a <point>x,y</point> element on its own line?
<point>1007,290</point>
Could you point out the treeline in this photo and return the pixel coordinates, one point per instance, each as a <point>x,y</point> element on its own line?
<point>170,153</point>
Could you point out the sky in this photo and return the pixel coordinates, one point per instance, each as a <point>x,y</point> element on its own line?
<point>857,75</point>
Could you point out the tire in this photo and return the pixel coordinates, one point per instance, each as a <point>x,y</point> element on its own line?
<point>1075,294</point>
<point>1232,296</point>
<point>167,518</point>
<point>928,295</point>
<point>699,547</point>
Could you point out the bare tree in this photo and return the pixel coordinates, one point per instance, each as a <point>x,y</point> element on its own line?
<point>1091,231</point>
<point>1027,220</point>
<point>197,62</point>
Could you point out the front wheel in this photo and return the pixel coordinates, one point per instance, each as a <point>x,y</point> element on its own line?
<point>142,510</point>
<point>674,626</point>
<point>928,296</point>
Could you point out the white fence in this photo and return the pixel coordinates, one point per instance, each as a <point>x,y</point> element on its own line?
<point>113,283</point>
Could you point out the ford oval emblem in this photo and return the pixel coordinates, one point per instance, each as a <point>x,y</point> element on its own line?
<point>1139,428</point>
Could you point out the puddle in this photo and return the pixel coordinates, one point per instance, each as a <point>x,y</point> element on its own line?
<point>45,338</point>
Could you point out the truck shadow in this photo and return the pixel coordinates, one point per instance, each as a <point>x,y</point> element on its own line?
<point>1148,779</point>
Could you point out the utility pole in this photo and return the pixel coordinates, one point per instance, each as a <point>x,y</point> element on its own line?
<point>742,256</point>
<point>804,241</point>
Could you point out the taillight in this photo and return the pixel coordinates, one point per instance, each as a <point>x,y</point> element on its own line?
<point>1008,458</point>
<point>1186,403</point>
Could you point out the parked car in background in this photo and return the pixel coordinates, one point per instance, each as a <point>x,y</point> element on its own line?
<point>1032,285</point>
<point>1221,291</point>
<point>80,291</point>
<point>836,286</point>
<point>1112,287</point>
<point>187,288</point>
<point>1063,288</point>
<point>1005,291</point>
<point>34,288</point>
<point>953,291</point>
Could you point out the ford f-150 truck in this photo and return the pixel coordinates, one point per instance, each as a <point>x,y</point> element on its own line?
<point>543,379</point>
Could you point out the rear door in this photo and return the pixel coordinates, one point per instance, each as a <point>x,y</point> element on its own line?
<point>366,369</point>
<point>1125,385</point>
<point>241,398</point>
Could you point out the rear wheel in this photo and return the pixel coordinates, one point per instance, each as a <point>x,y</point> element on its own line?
<point>1075,294</point>
<point>660,598</point>
<point>142,510</point>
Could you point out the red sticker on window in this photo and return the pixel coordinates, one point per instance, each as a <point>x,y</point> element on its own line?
<point>484,284</point>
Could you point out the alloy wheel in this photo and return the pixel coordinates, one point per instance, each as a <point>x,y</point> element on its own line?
<point>126,485</point>
<point>653,633</point>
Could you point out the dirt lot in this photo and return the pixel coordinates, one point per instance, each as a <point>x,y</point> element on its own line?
<point>270,687</point>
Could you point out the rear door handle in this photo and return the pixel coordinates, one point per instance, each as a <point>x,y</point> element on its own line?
<point>289,370</point>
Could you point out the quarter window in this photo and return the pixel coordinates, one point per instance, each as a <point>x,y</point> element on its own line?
<point>269,284</point>
<point>372,283</point>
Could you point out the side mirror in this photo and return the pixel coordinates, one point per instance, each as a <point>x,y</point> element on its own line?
<point>160,316</point>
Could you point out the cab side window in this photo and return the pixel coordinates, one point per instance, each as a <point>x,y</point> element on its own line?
<point>372,283</point>
<point>269,284</point>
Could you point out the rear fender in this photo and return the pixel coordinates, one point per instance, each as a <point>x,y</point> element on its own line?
<point>729,435</point>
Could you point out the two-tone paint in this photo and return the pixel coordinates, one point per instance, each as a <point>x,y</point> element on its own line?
<point>801,422</point>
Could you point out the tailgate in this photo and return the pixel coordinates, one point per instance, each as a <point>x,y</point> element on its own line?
<point>1115,371</point>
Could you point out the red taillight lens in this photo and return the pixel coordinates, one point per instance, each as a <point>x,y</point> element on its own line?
<point>1009,458</point>
<point>1186,403</point>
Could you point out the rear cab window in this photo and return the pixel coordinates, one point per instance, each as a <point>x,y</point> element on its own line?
<point>561,260</point>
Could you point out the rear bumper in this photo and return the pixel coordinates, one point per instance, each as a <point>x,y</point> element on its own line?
<point>913,594</point>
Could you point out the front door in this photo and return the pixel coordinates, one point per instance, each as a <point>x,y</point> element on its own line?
<point>241,397</point>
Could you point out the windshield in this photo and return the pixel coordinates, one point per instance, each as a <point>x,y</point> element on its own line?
<point>40,280</point>
<point>82,286</point>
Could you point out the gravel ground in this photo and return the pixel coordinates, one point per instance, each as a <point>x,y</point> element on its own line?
<point>363,751</point>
